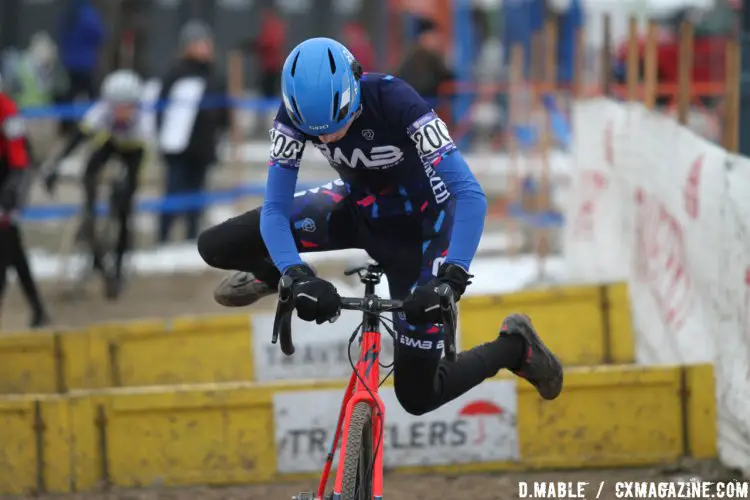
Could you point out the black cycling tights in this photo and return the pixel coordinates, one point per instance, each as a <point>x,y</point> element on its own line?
<point>425,384</point>
<point>13,255</point>
<point>132,160</point>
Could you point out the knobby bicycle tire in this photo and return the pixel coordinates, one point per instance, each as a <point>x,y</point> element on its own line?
<point>358,463</point>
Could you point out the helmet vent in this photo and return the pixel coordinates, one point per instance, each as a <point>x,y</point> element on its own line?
<point>343,112</point>
<point>294,64</point>
<point>335,105</point>
<point>296,111</point>
<point>331,61</point>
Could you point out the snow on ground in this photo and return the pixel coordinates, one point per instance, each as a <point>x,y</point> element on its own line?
<point>492,274</point>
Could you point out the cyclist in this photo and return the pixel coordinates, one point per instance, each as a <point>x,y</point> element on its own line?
<point>117,124</point>
<point>405,195</point>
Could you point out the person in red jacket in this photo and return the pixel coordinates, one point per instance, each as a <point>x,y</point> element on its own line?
<point>14,175</point>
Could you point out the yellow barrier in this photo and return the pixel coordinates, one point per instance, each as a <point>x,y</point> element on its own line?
<point>584,325</point>
<point>224,433</point>
<point>35,445</point>
<point>187,350</point>
<point>30,363</point>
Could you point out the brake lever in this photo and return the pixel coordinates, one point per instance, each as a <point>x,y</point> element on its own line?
<point>448,314</point>
<point>282,324</point>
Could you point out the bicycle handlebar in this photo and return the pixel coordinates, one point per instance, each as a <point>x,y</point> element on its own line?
<point>282,323</point>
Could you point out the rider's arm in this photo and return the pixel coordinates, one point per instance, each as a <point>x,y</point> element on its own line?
<point>471,208</point>
<point>436,148</point>
<point>287,146</point>
<point>274,217</point>
<point>92,122</point>
<point>75,140</point>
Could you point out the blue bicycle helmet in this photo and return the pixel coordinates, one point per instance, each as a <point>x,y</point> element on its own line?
<point>320,86</point>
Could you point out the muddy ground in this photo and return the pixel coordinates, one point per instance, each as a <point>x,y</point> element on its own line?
<point>465,487</point>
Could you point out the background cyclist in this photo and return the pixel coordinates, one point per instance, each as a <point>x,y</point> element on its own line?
<point>117,124</point>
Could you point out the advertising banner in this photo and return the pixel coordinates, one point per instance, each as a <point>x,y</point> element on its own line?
<point>654,203</point>
<point>477,427</point>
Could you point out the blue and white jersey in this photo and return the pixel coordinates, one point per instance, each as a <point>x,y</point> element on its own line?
<point>389,153</point>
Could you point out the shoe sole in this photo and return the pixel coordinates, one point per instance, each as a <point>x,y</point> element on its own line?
<point>548,388</point>
<point>238,290</point>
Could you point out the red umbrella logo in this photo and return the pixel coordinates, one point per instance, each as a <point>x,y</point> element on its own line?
<point>481,409</point>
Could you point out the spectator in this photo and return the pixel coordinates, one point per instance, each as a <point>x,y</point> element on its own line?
<point>424,67</point>
<point>521,18</point>
<point>14,177</point>
<point>269,47</point>
<point>187,128</point>
<point>34,73</point>
<point>359,44</point>
<point>569,19</point>
<point>81,36</point>
<point>524,18</point>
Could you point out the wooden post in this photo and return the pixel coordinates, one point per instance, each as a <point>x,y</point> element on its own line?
<point>579,63</point>
<point>515,89</point>
<point>731,118</point>
<point>650,76</point>
<point>606,56</point>
<point>235,88</point>
<point>633,67</point>
<point>685,73</point>
<point>536,72</point>
<point>545,142</point>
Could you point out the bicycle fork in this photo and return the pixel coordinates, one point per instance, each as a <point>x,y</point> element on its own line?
<point>362,387</point>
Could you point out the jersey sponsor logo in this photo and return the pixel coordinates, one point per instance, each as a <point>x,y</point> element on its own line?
<point>329,186</point>
<point>430,135</point>
<point>426,345</point>
<point>378,158</point>
<point>285,148</point>
<point>439,189</point>
<point>307,225</point>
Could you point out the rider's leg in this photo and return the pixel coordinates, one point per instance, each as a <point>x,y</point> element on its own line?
<point>122,200</point>
<point>133,161</point>
<point>94,167</point>
<point>6,256</point>
<point>423,381</point>
<point>20,263</point>
<point>91,175</point>
<point>322,219</point>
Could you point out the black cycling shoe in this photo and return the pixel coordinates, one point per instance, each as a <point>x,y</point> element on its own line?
<point>39,319</point>
<point>539,366</point>
<point>113,286</point>
<point>241,289</point>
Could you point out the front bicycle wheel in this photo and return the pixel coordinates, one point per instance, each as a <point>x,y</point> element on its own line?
<point>359,460</point>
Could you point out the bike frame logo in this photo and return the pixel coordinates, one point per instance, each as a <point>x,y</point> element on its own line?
<point>660,260</point>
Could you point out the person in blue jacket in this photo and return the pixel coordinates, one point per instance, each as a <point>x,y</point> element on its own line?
<point>405,195</point>
<point>82,34</point>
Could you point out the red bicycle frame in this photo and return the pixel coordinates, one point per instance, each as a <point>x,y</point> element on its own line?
<point>363,386</point>
<point>365,379</point>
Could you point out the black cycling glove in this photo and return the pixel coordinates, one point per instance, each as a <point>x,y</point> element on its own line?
<point>315,299</point>
<point>50,181</point>
<point>422,306</point>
